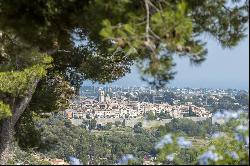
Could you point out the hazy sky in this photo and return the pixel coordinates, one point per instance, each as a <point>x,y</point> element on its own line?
<point>223,68</point>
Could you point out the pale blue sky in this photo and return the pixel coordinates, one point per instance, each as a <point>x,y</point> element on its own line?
<point>223,68</point>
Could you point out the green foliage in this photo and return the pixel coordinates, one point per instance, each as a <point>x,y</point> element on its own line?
<point>52,95</point>
<point>163,115</point>
<point>226,145</point>
<point>138,128</point>
<point>58,139</point>
<point>107,31</point>
<point>26,126</point>
<point>148,37</point>
<point>92,124</point>
<point>171,28</point>
<point>108,126</point>
<point>170,149</point>
<point>4,110</point>
<point>150,115</point>
<point>17,83</point>
<point>177,27</point>
<point>109,146</point>
<point>243,99</point>
<point>27,157</point>
<point>117,123</point>
<point>230,147</point>
<point>139,124</point>
<point>189,127</point>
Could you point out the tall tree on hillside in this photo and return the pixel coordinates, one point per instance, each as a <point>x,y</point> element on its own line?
<point>48,46</point>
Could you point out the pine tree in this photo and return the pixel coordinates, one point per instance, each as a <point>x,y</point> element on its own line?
<point>48,46</point>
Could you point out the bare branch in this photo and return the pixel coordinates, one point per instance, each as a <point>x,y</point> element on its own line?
<point>147,25</point>
<point>64,51</point>
<point>158,10</point>
<point>149,43</point>
<point>155,35</point>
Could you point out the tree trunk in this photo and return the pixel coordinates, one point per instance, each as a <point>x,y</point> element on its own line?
<point>7,125</point>
<point>6,137</point>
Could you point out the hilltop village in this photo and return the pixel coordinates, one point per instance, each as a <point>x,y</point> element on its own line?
<point>105,107</point>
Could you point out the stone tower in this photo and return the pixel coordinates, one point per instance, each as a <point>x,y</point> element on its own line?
<point>101,96</point>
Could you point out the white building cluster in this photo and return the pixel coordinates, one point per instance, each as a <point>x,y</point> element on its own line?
<point>108,107</point>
